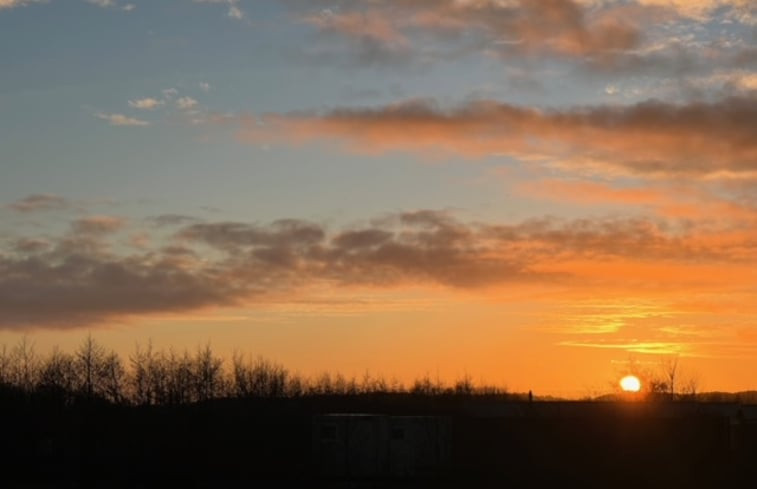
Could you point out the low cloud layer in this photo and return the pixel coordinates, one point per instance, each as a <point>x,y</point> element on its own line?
<point>650,138</point>
<point>86,277</point>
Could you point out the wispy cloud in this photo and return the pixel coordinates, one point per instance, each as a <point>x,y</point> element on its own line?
<point>170,93</point>
<point>166,220</point>
<point>8,4</point>
<point>700,9</point>
<point>146,103</point>
<point>669,199</point>
<point>649,347</point>
<point>235,12</point>
<point>233,7</point>
<point>39,202</point>
<point>97,224</point>
<point>185,103</point>
<point>102,3</point>
<point>121,120</point>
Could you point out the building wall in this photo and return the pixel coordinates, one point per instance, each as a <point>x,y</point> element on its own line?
<point>366,446</point>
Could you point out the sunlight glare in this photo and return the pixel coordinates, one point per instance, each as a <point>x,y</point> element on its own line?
<point>630,383</point>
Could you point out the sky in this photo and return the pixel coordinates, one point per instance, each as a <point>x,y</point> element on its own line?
<point>538,194</point>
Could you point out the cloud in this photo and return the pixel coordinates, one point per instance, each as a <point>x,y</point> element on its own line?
<point>146,103</point>
<point>600,37</point>
<point>121,120</point>
<point>185,103</point>
<point>61,289</point>
<point>112,4</point>
<point>358,25</point>
<point>165,220</point>
<point>700,9</point>
<point>650,138</point>
<point>233,12</point>
<point>170,93</point>
<point>82,278</point>
<point>8,4</point>
<point>674,200</point>
<point>561,28</point>
<point>97,225</point>
<point>635,346</point>
<point>39,202</point>
<point>204,86</point>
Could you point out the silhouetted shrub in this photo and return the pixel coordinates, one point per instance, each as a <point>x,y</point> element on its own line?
<point>152,378</point>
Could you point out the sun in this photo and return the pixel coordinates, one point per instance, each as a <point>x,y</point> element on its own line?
<point>630,383</point>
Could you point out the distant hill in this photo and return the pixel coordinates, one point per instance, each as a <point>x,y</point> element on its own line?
<point>743,397</point>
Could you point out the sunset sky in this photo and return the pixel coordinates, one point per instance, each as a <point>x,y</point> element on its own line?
<point>528,192</point>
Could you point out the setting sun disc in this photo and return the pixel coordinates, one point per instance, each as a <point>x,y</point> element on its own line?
<point>630,383</point>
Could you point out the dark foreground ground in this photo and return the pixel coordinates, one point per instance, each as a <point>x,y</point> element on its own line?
<point>478,442</point>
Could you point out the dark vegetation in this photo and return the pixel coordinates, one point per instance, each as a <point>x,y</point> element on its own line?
<point>160,378</point>
<point>167,419</point>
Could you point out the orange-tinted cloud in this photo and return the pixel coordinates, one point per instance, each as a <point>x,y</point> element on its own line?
<point>675,200</point>
<point>587,192</point>
<point>80,278</point>
<point>649,138</point>
<point>97,225</point>
<point>526,27</point>
<point>359,25</point>
<point>39,202</point>
<point>606,36</point>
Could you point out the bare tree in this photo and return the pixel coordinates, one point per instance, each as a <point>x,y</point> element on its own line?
<point>24,365</point>
<point>295,386</point>
<point>5,362</point>
<point>208,374</point>
<point>344,386</point>
<point>90,367</point>
<point>180,377</point>
<point>670,372</point>
<point>241,381</point>
<point>138,379</point>
<point>157,378</point>
<point>58,374</point>
<point>323,385</point>
<point>424,386</point>
<point>260,378</point>
<point>374,384</point>
<point>671,381</point>
<point>113,378</point>
<point>690,387</point>
<point>464,386</point>
<point>146,372</point>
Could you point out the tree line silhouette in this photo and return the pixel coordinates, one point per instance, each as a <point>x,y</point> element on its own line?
<point>160,377</point>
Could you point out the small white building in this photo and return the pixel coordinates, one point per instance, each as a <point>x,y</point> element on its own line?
<point>377,446</point>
